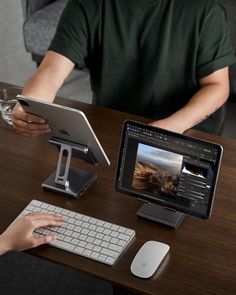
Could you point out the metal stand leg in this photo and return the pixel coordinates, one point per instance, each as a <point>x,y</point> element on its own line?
<point>68,180</point>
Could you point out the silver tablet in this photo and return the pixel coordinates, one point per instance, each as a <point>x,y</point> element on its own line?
<point>67,124</point>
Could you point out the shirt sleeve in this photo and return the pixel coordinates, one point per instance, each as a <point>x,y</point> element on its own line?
<point>71,38</point>
<point>215,50</point>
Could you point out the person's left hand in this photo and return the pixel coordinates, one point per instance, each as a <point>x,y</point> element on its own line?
<point>19,235</point>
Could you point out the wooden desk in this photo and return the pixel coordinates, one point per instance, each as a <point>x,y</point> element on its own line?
<point>202,253</point>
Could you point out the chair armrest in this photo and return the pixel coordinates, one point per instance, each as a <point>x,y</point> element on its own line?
<point>30,6</point>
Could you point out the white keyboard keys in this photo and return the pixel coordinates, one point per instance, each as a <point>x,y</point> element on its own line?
<point>84,235</point>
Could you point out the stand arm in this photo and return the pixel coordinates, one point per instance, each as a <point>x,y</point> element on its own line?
<point>62,171</point>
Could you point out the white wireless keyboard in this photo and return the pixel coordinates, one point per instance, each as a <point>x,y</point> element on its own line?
<point>84,235</point>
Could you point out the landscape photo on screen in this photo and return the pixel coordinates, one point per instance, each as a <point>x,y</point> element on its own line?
<point>156,171</point>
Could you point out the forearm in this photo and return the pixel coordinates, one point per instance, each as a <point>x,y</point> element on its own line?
<point>41,86</point>
<point>205,102</point>
<point>49,77</point>
<point>212,95</point>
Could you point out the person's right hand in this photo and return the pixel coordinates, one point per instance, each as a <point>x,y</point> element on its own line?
<point>27,124</point>
<point>19,235</point>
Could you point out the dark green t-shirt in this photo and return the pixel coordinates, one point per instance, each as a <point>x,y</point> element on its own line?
<point>145,56</point>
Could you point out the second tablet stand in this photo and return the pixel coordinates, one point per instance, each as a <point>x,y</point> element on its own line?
<point>68,180</point>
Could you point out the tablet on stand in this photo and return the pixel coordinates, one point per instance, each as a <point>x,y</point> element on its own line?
<point>74,137</point>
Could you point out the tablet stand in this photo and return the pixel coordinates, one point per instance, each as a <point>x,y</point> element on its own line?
<point>161,214</point>
<point>68,180</point>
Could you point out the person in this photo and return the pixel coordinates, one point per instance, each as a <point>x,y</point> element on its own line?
<point>165,60</point>
<point>20,236</point>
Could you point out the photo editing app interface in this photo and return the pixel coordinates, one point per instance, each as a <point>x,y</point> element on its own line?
<point>171,170</point>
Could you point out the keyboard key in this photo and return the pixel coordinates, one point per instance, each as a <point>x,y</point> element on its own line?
<point>87,252</point>
<point>123,237</point>
<point>110,260</point>
<point>75,235</point>
<point>68,239</point>
<point>79,250</point>
<point>95,255</point>
<point>63,245</point>
<point>110,253</point>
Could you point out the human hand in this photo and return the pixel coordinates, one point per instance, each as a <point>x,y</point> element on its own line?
<point>19,235</point>
<point>28,124</point>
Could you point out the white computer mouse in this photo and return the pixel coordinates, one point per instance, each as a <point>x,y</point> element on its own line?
<point>148,258</point>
